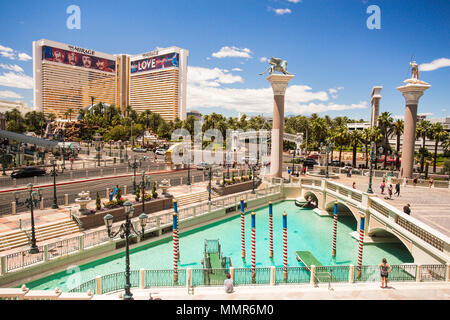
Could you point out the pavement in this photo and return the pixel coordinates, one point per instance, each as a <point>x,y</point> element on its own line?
<point>336,291</point>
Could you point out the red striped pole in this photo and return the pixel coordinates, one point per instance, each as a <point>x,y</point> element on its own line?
<point>175,208</point>
<point>253,249</point>
<point>270,230</point>
<point>335,220</point>
<point>242,230</point>
<point>175,246</point>
<point>285,274</point>
<point>360,249</point>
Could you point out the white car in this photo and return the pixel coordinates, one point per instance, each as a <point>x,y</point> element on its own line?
<point>202,166</point>
<point>160,152</point>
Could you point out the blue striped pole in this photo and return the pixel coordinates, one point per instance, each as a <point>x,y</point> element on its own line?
<point>285,246</point>
<point>360,249</point>
<point>270,230</point>
<point>175,208</point>
<point>175,244</point>
<point>253,225</point>
<point>335,219</point>
<point>242,230</point>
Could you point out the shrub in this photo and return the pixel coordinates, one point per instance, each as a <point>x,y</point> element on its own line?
<point>98,204</point>
<point>138,193</point>
<point>147,197</point>
<point>154,193</point>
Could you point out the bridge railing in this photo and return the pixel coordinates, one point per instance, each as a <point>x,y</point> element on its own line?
<point>378,207</point>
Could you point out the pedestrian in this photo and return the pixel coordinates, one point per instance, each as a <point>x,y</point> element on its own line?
<point>405,181</point>
<point>415,181</point>
<point>304,170</point>
<point>354,185</point>
<point>407,209</point>
<point>110,195</point>
<point>116,190</point>
<point>228,283</point>
<point>382,186</point>
<point>397,189</point>
<point>385,268</point>
<point>430,182</point>
<point>390,191</point>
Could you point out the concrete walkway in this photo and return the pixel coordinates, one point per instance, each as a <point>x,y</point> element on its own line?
<point>360,291</point>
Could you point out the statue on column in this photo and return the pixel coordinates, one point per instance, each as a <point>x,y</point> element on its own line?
<point>414,70</point>
<point>276,64</point>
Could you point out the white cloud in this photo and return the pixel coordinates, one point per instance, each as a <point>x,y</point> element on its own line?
<point>333,92</point>
<point>205,77</point>
<point>232,52</point>
<point>24,57</point>
<point>295,1</point>
<point>237,69</point>
<point>16,80</point>
<point>282,11</point>
<point>263,59</point>
<point>10,94</point>
<point>12,67</point>
<point>435,64</point>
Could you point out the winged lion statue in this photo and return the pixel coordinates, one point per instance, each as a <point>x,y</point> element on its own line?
<point>276,64</point>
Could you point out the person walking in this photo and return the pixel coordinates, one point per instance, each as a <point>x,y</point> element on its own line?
<point>430,182</point>
<point>390,191</point>
<point>116,190</point>
<point>382,186</point>
<point>397,189</point>
<point>405,181</point>
<point>228,283</point>
<point>415,181</point>
<point>407,209</point>
<point>385,268</point>
<point>354,185</point>
<point>110,195</point>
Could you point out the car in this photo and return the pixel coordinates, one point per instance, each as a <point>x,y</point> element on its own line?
<point>335,163</point>
<point>313,156</point>
<point>28,172</point>
<point>139,150</point>
<point>202,166</point>
<point>160,152</point>
<point>310,162</point>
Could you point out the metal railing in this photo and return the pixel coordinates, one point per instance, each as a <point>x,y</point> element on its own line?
<point>295,275</point>
<point>164,278</point>
<point>433,273</point>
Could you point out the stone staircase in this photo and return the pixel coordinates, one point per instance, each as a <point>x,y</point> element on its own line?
<point>21,238</point>
<point>191,198</point>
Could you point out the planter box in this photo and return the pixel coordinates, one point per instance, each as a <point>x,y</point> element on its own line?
<point>234,188</point>
<point>96,219</point>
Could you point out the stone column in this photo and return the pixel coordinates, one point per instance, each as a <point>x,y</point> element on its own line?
<point>279,84</point>
<point>375,103</point>
<point>412,91</point>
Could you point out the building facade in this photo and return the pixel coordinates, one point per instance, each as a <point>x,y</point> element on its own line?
<point>70,77</point>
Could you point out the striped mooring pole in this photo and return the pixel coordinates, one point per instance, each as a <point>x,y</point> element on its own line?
<point>175,208</point>
<point>270,230</point>
<point>253,248</point>
<point>242,230</point>
<point>175,245</point>
<point>360,249</point>
<point>335,220</point>
<point>285,273</point>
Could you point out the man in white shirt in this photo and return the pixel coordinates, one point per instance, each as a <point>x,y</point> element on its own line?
<point>228,283</point>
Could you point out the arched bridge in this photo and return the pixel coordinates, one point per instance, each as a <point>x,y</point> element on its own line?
<point>384,223</point>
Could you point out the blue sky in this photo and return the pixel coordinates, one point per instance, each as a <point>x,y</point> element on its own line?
<point>335,58</point>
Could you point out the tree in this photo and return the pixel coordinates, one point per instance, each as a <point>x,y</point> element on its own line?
<point>385,123</point>
<point>341,139</point>
<point>438,134</point>
<point>354,140</point>
<point>397,130</point>
<point>69,112</point>
<point>423,131</point>
<point>366,139</point>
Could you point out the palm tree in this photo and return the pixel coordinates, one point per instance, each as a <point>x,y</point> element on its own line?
<point>385,122</point>
<point>397,130</point>
<point>438,134</point>
<point>423,131</point>
<point>341,139</point>
<point>376,136</point>
<point>366,139</point>
<point>69,112</point>
<point>354,140</point>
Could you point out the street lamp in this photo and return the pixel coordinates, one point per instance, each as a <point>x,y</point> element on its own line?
<point>143,190</point>
<point>126,150</point>
<point>372,157</point>
<point>189,169</point>
<point>31,202</point>
<point>53,173</point>
<point>209,185</point>
<point>98,144</point>
<point>110,147</point>
<point>328,147</point>
<point>134,166</point>
<point>125,230</point>
<point>253,178</point>
<point>120,151</point>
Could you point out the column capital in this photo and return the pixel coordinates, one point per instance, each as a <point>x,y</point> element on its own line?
<point>279,83</point>
<point>412,91</point>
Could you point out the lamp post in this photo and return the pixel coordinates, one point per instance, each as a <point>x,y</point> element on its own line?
<point>98,144</point>
<point>143,190</point>
<point>31,202</point>
<point>125,230</point>
<point>372,156</point>
<point>189,169</point>
<point>134,166</point>
<point>126,150</point>
<point>209,185</point>
<point>120,151</point>
<point>253,178</point>
<point>53,173</point>
<point>293,163</point>
<point>327,148</point>
<point>110,147</point>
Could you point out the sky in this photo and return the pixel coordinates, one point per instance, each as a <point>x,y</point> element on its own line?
<point>335,57</point>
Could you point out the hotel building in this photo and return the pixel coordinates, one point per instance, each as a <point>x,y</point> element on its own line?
<point>67,76</point>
